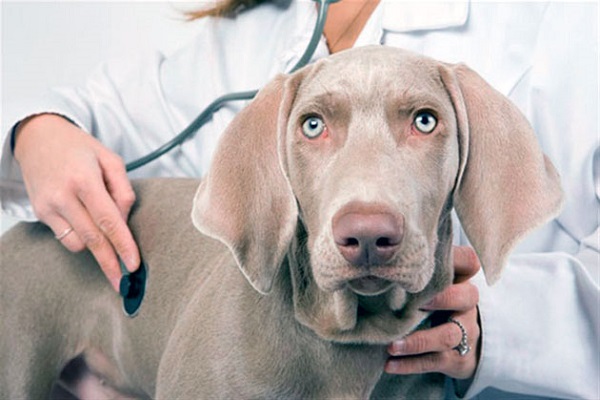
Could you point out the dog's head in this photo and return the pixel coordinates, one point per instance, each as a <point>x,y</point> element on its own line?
<point>360,158</point>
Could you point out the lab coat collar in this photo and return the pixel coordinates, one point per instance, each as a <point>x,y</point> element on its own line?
<point>410,16</point>
<point>391,15</point>
<point>400,16</point>
<point>305,17</point>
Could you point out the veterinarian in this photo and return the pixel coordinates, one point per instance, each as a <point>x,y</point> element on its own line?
<point>533,333</point>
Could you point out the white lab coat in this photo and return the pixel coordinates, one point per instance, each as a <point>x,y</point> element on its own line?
<point>541,322</point>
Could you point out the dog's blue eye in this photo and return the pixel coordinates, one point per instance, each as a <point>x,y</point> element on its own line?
<point>425,122</point>
<point>313,127</point>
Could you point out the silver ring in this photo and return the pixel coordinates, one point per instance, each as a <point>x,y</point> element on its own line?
<point>463,347</point>
<point>64,233</point>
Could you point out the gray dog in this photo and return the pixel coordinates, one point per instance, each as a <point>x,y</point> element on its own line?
<point>321,228</point>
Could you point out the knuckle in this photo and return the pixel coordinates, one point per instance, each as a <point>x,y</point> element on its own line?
<point>450,338</point>
<point>55,199</point>
<point>42,209</point>
<point>430,363</point>
<point>107,225</point>
<point>83,188</point>
<point>77,181</point>
<point>113,158</point>
<point>126,198</point>
<point>417,343</point>
<point>443,298</point>
<point>124,247</point>
<point>74,246</point>
<point>445,361</point>
<point>46,205</point>
<point>93,240</point>
<point>113,162</point>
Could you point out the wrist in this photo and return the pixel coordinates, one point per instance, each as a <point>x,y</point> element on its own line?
<point>23,131</point>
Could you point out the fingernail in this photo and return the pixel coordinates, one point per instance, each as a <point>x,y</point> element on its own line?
<point>389,367</point>
<point>398,347</point>
<point>430,305</point>
<point>131,263</point>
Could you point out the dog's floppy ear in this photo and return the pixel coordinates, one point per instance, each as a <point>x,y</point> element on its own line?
<point>245,200</point>
<point>506,186</point>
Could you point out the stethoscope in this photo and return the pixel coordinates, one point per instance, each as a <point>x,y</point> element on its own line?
<point>133,285</point>
<point>206,114</point>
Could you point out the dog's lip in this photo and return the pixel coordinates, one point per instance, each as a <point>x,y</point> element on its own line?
<point>370,285</point>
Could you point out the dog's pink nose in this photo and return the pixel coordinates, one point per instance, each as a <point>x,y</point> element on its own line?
<point>367,237</point>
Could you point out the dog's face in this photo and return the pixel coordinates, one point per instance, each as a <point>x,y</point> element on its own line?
<point>355,162</point>
<point>372,162</point>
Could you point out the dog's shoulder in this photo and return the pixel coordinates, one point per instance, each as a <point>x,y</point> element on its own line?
<point>162,209</point>
<point>165,192</point>
<point>162,226</point>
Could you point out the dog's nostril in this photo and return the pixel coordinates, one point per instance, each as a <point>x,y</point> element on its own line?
<point>351,242</point>
<point>384,242</point>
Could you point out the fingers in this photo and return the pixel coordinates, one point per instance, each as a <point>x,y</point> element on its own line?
<point>458,297</point>
<point>117,183</point>
<point>86,234</point>
<point>100,229</point>
<point>86,188</point>
<point>462,295</point>
<point>447,363</point>
<point>433,350</point>
<point>98,225</point>
<point>64,233</point>
<point>441,338</point>
<point>466,263</point>
<point>109,208</point>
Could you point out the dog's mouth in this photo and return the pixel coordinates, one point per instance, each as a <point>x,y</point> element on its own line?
<point>370,285</point>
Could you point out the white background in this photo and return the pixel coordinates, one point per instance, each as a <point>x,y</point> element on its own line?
<point>53,43</point>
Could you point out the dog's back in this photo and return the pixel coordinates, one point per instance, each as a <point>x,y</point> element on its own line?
<point>56,305</point>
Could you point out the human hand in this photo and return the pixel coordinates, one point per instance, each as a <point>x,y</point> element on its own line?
<point>433,349</point>
<point>73,181</point>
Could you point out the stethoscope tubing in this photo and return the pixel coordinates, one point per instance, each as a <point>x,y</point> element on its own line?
<point>207,113</point>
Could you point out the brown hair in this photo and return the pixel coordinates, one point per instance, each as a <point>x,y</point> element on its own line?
<point>224,8</point>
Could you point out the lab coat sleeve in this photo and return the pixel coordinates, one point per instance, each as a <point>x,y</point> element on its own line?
<point>135,105</point>
<point>108,106</point>
<point>541,321</point>
<point>540,329</point>
<point>132,105</point>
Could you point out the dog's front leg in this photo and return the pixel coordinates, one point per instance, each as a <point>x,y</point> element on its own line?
<point>78,382</point>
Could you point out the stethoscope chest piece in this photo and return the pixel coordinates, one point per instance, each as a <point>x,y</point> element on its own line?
<point>132,289</point>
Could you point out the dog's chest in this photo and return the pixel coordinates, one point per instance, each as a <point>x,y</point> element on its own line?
<point>326,370</point>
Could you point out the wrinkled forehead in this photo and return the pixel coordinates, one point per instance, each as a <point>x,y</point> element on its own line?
<point>369,75</point>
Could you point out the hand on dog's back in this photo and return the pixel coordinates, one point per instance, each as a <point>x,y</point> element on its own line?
<point>75,182</point>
